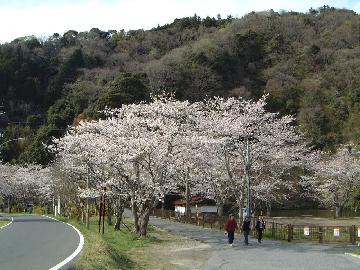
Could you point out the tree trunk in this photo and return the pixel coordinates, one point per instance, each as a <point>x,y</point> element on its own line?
<point>143,217</point>
<point>109,213</point>
<point>268,209</point>
<point>135,215</point>
<point>100,213</point>
<point>83,215</point>
<point>9,207</point>
<point>119,210</point>
<point>187,200</point>
<point>103,218</point>
<point>78,215</point>
<point>338,210</point>
<point>144,221</point>
<point>241,206</point>
<point>134,207</point>
<point>87,214</point>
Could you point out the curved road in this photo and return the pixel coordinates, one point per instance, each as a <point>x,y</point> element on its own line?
<point>36,242</point>
<point>271,255</point>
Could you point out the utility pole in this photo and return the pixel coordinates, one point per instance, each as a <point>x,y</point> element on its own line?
<point>87,203</point>
<point>248,162</point>
<point>248,175</point>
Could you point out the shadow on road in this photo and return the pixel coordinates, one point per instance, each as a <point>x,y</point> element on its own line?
<point>35,220</point>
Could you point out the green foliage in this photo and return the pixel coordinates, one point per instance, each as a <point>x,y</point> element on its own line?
<point>16,138</point>
<point>356,199</point>
<point>123,90</point>
<point>4,222</point>
<point>40,210</point>
<point>66,74</point>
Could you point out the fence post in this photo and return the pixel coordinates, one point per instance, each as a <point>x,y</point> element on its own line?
<point>352,230</point>
<point>273,229</point>
<point>320,234</point>
<point>203,220</point>
<point>290,232</point>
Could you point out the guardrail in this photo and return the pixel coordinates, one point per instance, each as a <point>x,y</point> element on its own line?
<point>274,230</point>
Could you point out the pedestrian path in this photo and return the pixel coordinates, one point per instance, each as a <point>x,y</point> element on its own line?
<point>270,255</point>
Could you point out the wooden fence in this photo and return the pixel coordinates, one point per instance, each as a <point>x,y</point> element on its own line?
<point>274,230</point>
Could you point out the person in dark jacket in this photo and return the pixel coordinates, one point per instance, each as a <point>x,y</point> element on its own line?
<point>230,227</point>
<point>246,229</point>
<point>260,227</point>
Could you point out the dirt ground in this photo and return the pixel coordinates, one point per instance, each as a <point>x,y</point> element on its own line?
<point>172,252</point>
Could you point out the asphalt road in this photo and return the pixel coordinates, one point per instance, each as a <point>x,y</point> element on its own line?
<point>270,255</point>
<point>35,242</point>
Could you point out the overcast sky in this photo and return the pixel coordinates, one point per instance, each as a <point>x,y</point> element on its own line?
<point>42,18</point>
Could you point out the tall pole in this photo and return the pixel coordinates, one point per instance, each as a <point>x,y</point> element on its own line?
<point>59,205</point>
<point>187,199</point>
<point>247,169</point>
<point>103,219</point>
<point>87,203</point>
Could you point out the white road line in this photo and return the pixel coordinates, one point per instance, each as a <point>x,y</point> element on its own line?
<point>2,227</point>
<point>75,253</point>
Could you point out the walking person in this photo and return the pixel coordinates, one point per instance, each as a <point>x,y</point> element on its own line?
<point>230,227</point>
<point>246,229</point>
<point>260,227</point>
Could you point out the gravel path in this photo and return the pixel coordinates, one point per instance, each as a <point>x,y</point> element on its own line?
<point>269,255</point>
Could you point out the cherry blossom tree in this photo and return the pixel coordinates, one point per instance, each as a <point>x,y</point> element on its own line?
<point>213,169</point>
<point>144,151</point>
<point>22,185</point>
<point>247,133</point>
<point>6,188</point>
<point>334,178</point>
<point>273,174</point>
<point>135,147</point>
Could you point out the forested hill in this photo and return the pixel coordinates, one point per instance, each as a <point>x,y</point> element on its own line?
<point>308,63</point>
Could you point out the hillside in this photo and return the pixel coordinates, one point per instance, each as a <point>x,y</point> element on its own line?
<point>307,63</point>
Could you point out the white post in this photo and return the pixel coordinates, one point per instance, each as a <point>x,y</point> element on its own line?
<point>87,217</point>
<point>53,205</point>
<point>58,206</point>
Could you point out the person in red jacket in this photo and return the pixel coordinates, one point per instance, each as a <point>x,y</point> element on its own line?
<point>230,227</point>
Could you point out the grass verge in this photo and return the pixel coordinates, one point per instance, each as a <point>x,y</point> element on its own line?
<point>3,222</point>
<point>108,251</point>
